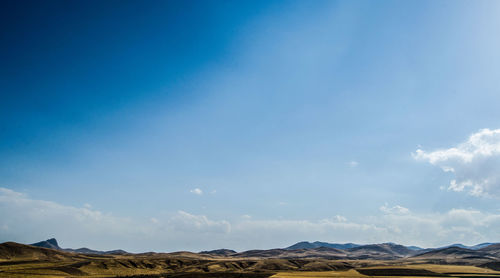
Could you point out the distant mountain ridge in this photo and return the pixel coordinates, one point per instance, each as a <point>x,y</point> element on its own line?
<point>52,244</point>
<point>316,244</point>
<point>488,256</point>
<point>473,247</point>
<point>346,246</point>
<point>391,249</point>
<point>223,252</point>
<point>305,249</point>
<point>388,259</point>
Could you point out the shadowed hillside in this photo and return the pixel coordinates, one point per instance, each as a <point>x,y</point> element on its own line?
<point>16,251</point>
<point>19,260</point>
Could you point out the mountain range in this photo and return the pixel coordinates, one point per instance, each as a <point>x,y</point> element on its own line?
<point>345,246</point>
<point>316,244</point>
<point>389,259</point>
<point>52,244</point>
<point>318,249</point>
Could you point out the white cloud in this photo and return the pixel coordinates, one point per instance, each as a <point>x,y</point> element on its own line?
<point>340,218</point>
<point>32,220</point>
<point>196,191</point>
<point>474,163</point>
<point>353,163</point>
<point>27,220</point>
<point>5,192</point>
<point>397,209</point>
<point>184,221</point>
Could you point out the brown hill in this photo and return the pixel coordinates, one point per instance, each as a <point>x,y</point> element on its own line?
<point>384,251</point>
<point>17,260</point>
<point>493,250</point>
<point>455,255</point>
<point>52,244</point>
<point>451,252</point>
<point>321,252</point>
<point>17,251</point>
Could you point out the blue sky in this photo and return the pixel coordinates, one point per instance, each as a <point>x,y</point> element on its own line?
<point>257,124</point>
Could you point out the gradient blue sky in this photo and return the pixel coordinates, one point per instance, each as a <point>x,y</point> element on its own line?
<point>248,124</point>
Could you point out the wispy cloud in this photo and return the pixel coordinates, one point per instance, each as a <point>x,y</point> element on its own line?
<point>28,220</point>
<point>397,209</point>
<point>474,163</point>
<point>196,191</point>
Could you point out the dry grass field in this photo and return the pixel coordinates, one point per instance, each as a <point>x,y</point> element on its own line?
<point>121,267</point>
<point>433,270</point>
<point>319,274</point>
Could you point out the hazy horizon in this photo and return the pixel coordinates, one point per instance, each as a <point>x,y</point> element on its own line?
<point>280,247</point>
<point>200,125</point>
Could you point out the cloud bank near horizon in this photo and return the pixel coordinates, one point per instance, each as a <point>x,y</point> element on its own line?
<point>28,220</point>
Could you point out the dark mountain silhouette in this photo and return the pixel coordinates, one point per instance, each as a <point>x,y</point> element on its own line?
<point>346,246</point>
<point>85,250</point>
<point>49,243</point>
<point>316,244</point>
<point>473,247</point>
<point>52,244</point>
<point>318,249</point>
<point>219,252</point>
<point>459,245</point>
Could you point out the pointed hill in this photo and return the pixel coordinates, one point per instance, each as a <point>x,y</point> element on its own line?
<point>49,243</point>
<point>52,244</point>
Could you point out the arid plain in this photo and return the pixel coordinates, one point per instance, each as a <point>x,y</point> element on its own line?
<point>376,260</point>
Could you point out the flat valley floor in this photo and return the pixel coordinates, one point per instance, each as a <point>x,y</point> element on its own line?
<point>143,269</point>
